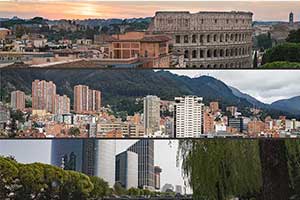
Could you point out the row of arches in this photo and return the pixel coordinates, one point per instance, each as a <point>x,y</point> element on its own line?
<point>231,65</point>
<point>213,38</point>
<point>216,53</point>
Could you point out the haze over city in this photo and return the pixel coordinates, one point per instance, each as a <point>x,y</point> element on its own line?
<point>277,10</point>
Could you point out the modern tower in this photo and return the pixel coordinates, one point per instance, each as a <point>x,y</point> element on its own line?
<point>127,169</point>
<point>43,95</point>
<point>18,100</point>
<point>145,151</point>
<point>92,157</point>
<point>188,116</point>
<point>151,114</point>
<point>86,100</point>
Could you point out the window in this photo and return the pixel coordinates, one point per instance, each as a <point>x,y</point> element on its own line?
<point>186,39</point>
<point>194,54</point>
<point>194,39</point>
<point>177,39</point>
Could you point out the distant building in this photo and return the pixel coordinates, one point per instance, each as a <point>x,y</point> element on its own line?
<point>178,189</point>
<point>86,100</point>
<point>188,116</point>
<point>127,169</point>
<point>92,157</point>
<point>232,110</point>
<point>208,123</point>
<point>157,171</point>
<point>151,114</point>
<point>4,116</point>
<point>214,106</point>
<point>255,127</point>
<point>62,104</point>
<point>43,96</point>
<point>145,151</point>
<point>167,188</point>
<point>17,100</point>
<point>4,32</point>
<point>150,50</point>
<point>291,18</point>
<point>236,123</point>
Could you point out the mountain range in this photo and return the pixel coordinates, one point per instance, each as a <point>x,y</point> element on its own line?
<point>120,88</point>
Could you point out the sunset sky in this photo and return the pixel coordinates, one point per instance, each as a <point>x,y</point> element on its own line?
<point>263,10</point>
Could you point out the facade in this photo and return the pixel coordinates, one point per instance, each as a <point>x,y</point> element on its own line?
<point>4,32</point>
<point>208,39</point>
<point>236,123</point>
<point>92,157</point>
<point>214,106</point>
<point>145,151</point>
<point>62,104</point>
<point>17,100</point>
<point>127,169</point>
<point>208,123</point>
<point>150,50</point>
<point>188,116</point>
<point>43,96</point>
<point>86,100</point>
<point>151,114</point>
<point>157,171</point>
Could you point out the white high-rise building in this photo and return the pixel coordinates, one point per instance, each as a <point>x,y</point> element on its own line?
<point>188,115</point>
<point>151,114</point>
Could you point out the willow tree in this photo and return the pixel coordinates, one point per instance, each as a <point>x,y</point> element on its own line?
<point>221,169</point>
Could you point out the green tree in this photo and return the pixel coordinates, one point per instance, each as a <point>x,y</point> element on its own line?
<point>294,36</point>
<point>100,189</point>
<point>221,169</point>
<point>264,41</point>
<point>8,177</point>
<point>285,52</point>
<point>74,131</point>
<point>119,190</point>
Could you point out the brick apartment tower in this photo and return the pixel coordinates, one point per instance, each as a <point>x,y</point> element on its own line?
<point>86,100</point>
<point>43,95</point>
<point>18,100</point>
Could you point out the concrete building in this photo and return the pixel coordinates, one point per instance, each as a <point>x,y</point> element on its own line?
<point>208,39</point>
<point>214,106</point>
<point>157,171</point>
<point>151,114</point>
<point>62,104</point>
<point>4,32</point>
<point>127,169</point>
<point>145,151</point>
<point>17,100</point>
<point>86,100</point>
<point>43,96</point>
<point>188,116</point>
<point>92,157</point>
<point>150,50</point>
<point>236,123</point>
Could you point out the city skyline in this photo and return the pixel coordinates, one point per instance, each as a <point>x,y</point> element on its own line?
<point>170,174</point>
<point>130,9</point>
<point>278,87</point>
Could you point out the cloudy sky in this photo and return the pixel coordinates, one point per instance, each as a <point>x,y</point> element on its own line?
<point>29,151</point>
<point>263,10</point>
<point>265,85</point>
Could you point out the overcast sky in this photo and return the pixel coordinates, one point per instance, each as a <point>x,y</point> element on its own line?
<point>263,10</point>
<point>29,151</point>
<point>265,85</point>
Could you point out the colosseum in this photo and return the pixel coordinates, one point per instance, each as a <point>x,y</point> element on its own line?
<point>208,39</point>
